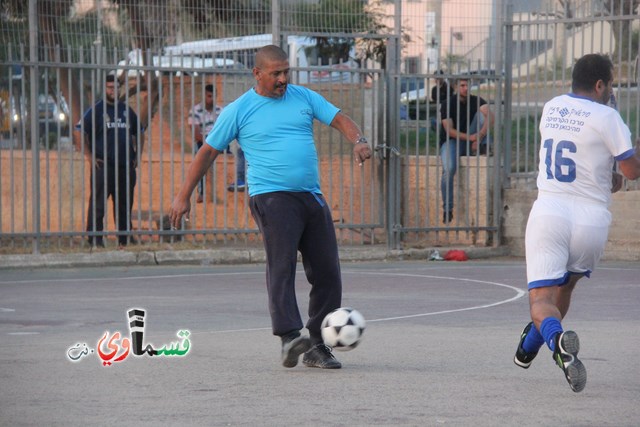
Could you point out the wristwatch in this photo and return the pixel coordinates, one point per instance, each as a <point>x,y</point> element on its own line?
<point>362,140</point>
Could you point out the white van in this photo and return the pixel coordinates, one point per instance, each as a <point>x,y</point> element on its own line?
<point>176,64</point>
<point>303,53</point>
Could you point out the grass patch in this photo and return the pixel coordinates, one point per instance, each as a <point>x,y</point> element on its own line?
<point>418,141</point>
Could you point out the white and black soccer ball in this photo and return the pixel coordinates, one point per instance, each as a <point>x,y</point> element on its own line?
<point>342,328</point>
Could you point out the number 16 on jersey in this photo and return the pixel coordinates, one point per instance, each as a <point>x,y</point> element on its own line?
<point>559,165</point>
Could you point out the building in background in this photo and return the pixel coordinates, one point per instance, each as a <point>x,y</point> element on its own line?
<point>464,35</point>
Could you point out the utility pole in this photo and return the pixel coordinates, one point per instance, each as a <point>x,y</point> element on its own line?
<point>275,22</point>
<point>433,48</point>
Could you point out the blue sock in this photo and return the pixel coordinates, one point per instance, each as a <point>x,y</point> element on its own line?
<point>533,341</point>
<point>549,328</point>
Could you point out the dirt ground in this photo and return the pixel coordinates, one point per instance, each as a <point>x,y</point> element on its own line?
<point>64,187</point>
<point>355,194</point>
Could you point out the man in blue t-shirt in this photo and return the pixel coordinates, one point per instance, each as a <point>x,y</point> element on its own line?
<point>273,123</point>
<point>111,138</point>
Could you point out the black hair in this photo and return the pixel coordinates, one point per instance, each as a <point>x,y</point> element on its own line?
<point>110,78</point>
<point>209,88</point>
<point>588,70</point>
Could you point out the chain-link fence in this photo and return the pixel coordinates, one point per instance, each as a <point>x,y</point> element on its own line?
<point>377,60</point>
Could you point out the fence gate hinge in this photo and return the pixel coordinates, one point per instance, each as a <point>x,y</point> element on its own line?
<point>384,150</point>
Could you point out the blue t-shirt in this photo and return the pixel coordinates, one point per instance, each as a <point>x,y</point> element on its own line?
<point>276,135</point>
<point>112,124</point>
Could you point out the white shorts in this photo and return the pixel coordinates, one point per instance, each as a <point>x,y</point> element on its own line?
<point>564,236</point>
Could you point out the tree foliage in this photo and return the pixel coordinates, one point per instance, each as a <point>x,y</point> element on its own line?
<point>353,20</point>
<point>227,18</point>
<point>622,28</point>
<point>14,7</point>
<point>53,17</point>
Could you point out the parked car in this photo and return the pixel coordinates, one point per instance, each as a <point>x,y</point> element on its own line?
<point>411,89</point>
<point>414,99</point>
<point>8,115</point>
<point>481,76</point>
<point>328,65</point>
<point>53,115</point>
<point>13,112</point>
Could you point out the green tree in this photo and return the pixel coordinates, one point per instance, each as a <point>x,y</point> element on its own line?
<point>227,18</point>
<point>621,28</point>
<point>352,20</point>
<point>52,16</point>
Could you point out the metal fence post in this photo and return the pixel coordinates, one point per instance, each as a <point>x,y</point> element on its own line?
<point>394,194</point>
<point>501,45</point>
<point>508,78</point>
<point>275,22</point>
<point>35,137</point>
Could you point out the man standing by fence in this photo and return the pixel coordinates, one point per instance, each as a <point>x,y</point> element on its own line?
<point>110,129</point>
<point>202,117</point>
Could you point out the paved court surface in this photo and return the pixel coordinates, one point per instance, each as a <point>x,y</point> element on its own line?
<point>438,349</point>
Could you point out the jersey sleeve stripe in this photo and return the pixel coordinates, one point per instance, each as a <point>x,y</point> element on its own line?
<point>627,154</point>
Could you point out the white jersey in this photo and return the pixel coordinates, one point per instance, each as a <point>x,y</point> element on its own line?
<point>580,139</point>
<point>200,116</point>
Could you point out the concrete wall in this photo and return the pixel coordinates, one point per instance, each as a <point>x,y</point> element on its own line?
<point>64,191</point>
<point>624,233</point>
<point>472,199</point>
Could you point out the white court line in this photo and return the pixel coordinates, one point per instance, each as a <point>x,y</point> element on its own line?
<point>6,310</point>
<point>240,273</point>
<point>23,333</point>
<point>232,273</point>
<point>519,292</point>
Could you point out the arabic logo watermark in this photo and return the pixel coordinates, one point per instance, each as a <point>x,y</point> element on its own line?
<point>117,348</point>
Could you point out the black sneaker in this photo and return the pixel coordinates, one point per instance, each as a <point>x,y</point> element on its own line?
<point>522,358</point>
<point>292,347</point>
<point>447,217</point>
<point>320,356</point>
<point>566,357</point>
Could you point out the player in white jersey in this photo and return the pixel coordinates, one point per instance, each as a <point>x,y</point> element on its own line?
<point>581,139</point>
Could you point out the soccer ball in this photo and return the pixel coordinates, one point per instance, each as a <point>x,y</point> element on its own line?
<point>342,328</point>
